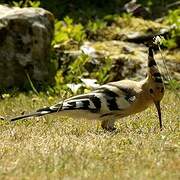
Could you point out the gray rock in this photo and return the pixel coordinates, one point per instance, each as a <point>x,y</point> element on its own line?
<point>129,60</point>
<point>136,9</point>
<point>25,39</point>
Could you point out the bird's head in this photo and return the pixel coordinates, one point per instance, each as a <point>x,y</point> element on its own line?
<point>155,83</point>
<point>156,91</point>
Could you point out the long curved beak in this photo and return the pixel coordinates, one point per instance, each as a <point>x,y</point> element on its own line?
<point>158,107</point>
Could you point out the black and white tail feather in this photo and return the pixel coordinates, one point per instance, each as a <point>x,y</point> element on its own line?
<point>39,112</point>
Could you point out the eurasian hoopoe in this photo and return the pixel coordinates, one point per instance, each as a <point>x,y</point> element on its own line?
<point>113,100</point>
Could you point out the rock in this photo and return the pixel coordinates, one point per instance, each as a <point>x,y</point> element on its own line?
<point>136,9</point>
<point>25,39</point>
<point>129,60</point>
<point>131,29</point>
<point>140,37</point>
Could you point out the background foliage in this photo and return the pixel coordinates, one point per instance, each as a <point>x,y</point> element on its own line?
<point>78,21</point>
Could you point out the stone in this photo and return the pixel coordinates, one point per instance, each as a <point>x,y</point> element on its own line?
<point>25,43</point>
<point>129,60</point>
<point>137,9</point>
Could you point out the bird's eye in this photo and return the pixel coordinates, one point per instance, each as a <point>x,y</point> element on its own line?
<point>151,91</point>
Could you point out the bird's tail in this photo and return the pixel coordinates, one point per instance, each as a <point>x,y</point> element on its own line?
<point>39,112</point>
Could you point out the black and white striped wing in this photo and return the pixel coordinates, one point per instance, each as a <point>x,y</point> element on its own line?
<point>116,98</point>
<point>89,102</point>
<point>107,98</point>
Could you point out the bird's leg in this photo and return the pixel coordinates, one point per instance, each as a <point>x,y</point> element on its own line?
<point>108,124</point>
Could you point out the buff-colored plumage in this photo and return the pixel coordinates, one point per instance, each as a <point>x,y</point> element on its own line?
<point>113,100</point>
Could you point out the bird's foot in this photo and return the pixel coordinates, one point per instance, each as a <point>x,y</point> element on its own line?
<point>108,125</point>
<point>110,129</point>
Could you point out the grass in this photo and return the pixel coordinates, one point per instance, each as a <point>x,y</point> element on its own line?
<point>55,147</point>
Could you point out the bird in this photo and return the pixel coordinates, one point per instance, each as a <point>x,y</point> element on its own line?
<point>113,100</point>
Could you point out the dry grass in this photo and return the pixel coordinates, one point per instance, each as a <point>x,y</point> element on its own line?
<point>60,148</point>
